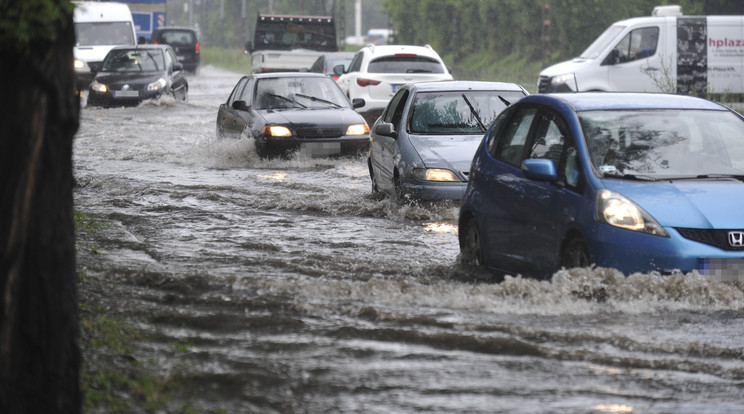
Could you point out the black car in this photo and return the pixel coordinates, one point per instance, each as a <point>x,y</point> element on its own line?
<point>132,74</point>
<point>293,111</point>
<point>184,41</point>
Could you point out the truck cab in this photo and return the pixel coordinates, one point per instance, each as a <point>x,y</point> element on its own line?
<point>283,43</point>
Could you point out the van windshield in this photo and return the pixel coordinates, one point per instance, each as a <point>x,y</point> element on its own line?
<point>602,42</point>
<point>104,34</point>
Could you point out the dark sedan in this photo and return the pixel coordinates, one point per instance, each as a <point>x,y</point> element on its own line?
<point>289,112</point>
<point>184,41</point>
<point>132,74</point>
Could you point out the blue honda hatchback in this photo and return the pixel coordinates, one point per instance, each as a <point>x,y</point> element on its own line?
<point>636,182</point>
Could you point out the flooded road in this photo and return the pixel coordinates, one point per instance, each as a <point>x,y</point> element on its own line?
<point>286,287</point>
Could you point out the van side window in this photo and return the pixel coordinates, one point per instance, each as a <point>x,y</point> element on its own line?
<point>514,137</point>
<point>636,45</point>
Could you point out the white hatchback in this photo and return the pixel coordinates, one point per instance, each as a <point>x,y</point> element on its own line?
<point>377,72</point>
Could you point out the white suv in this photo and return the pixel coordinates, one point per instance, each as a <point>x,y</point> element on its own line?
<point>376,73</point>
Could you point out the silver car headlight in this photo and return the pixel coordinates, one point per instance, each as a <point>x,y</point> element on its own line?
<point>157,85</point>
<point>434,174</point>
<point>617,210</point>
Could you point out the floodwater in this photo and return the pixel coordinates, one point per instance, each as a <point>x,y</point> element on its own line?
<point>286,287</point>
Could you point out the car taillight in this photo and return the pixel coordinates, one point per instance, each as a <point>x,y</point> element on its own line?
<point>155,42</point>
<point>196,48</point>
<point>367,82</point>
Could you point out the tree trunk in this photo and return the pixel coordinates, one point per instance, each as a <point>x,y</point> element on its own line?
<point>39,327</point>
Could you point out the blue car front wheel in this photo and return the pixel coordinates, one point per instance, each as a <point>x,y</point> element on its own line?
<point>575,253</point>
<point>471,246</point>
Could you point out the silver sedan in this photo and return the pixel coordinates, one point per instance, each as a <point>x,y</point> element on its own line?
<point>423,143</point>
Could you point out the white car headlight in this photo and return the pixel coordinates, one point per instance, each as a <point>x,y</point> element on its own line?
<point>565,78</point>
<point>616,210</point>
<point>80,65</point>
<point>434,174</point>
<point>157,85</point>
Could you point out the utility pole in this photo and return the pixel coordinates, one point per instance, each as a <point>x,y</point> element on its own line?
<point>546,33</point>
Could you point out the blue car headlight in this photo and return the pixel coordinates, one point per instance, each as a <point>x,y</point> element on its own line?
<point>617,210</point>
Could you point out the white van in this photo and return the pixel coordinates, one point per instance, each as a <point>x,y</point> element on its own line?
<point>667,52</point>
<point>99,26</point>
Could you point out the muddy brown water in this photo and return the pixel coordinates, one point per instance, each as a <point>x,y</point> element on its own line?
<point>292,290</point>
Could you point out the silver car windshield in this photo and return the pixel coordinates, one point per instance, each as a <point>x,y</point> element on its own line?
<point>458,112</point>
<point>664,143</point>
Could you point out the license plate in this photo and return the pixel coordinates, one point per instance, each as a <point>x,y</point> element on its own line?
<point>126,94</point>
<point>320,149</point>
<point>726,270</point>
<point>180,58</point>
<point>396,87</point>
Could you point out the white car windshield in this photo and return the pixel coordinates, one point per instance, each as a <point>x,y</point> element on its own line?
<point>664,143</point>
<point>104,33</point>
<point>602,42</point>
<point>405,64</point>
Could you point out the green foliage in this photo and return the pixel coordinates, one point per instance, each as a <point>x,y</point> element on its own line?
<point>540,30</point>
<point>232,58</point>
<point>86,223</point>
<point>23,23</point>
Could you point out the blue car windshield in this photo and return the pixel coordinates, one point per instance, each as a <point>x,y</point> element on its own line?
<point>458,112</point>
<point>664,143</point>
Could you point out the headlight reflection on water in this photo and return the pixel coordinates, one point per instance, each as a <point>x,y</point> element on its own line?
<point>441,228</point>
<point>279,177</point>
<point>613,408</point>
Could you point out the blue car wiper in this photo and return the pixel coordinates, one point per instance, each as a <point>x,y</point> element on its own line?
<point>739,177</point>
<point>631,177</point>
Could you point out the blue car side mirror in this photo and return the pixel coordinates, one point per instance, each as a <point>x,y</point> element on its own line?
<point>539,170</point>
